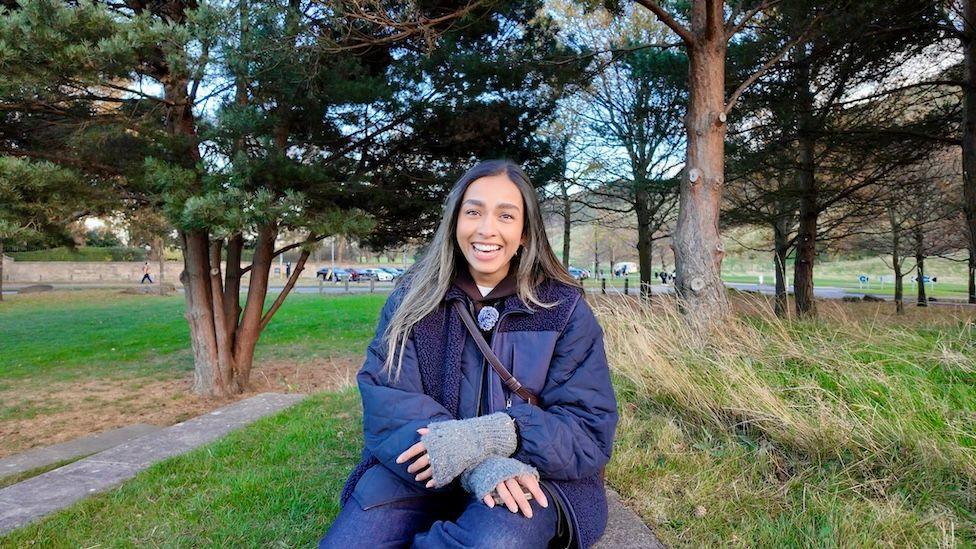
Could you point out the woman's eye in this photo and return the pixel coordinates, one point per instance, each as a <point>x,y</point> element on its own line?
<point>471,212</point>
<point>509,216</point>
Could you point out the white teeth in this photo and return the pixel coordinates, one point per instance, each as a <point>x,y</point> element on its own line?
<point>486,248</point>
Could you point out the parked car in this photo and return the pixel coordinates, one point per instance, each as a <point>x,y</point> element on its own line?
<point>379,274</point>
<point>394,272</point>
<point>359,274</point>
<point>328,274</point>
<point>579,274</point>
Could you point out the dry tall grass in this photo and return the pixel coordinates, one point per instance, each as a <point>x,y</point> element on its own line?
<point>877,399</point>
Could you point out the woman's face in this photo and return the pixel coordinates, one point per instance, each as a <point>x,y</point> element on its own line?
<point>489,227</point>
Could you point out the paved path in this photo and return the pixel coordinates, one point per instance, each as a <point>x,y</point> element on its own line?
<point>79,447</point>
<point>38,496</point>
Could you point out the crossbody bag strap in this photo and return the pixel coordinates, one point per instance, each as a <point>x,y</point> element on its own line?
<point>507,378</point>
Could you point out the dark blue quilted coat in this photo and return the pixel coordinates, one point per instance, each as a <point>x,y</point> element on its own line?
<point>556,353</point>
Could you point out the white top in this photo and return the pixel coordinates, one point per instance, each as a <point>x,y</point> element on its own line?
<point>484,289</point>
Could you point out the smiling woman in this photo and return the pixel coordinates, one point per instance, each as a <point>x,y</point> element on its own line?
<point>453,456</point>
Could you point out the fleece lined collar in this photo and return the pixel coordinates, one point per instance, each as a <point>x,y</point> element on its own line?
<point>507,289</point>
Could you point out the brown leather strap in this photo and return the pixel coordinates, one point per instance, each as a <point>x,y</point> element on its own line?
<point>507,378</point>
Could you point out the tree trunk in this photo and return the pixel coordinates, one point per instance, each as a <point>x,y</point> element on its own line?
<point>1,270</point>
<point>899,291</point>
<point>896,263</point>
<point>232,285</point>
<point>596,251</point>
<point>920,265</point>
<point>781,304</point>
<point>644,243</point>
<point>567,223</point>
<point>969,142</point>
<point>225,351</point>
<point>250,327</point>
<point>697,242</point>
<point>806,246</point>
<point>207,379</point>
<point>806,239</point>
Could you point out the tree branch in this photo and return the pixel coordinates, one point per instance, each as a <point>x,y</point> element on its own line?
<point>299,267</point>
<point>666,18</point>
<point>768,65</point>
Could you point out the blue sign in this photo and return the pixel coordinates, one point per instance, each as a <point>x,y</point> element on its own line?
<point>862,279</point>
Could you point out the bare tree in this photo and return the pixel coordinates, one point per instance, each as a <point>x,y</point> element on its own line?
<point>631,111</point>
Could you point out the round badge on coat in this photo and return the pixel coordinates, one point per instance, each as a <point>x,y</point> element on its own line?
<point>487,318</point>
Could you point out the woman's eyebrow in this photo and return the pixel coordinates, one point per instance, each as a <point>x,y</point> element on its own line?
<point>501,205</point>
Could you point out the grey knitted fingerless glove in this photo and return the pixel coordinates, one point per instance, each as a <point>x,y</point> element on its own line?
<point>453,446</point>
<point>484,477</point>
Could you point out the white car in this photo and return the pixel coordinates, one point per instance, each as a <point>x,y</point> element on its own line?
<point>379,274</point>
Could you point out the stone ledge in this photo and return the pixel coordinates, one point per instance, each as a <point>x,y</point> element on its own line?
<point>625,530</point>
<point>36,497</point>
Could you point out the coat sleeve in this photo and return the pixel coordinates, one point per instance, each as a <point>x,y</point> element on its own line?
<point>392,412</point>
<point>570,434</point>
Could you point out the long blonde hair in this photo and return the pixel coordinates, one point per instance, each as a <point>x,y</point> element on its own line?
<point>436,270</point>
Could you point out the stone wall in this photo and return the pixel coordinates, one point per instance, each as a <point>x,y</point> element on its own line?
<point>117,271</point>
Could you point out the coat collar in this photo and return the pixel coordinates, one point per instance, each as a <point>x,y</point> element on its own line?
<point>465,287</point>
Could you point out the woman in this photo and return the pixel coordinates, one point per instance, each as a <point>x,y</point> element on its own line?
<point>444,438</point>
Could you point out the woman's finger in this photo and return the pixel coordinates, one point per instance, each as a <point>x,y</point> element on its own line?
<point>532,483</point>
<point>489,501</point>
<point>506,497</point>
<point>423,431</point>
<point>411,452</point>
<point>516,489</point>
<point>421,463</point>
<point>424,475</point>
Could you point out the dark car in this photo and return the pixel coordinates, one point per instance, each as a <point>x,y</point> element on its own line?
<point>359,274</point>
<point>333,275</point>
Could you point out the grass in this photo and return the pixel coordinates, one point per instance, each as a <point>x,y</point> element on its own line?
<point>274,484</point>
<point>81,335</point>
<point>855,429</point>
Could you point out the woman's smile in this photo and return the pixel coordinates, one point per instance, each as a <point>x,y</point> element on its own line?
<point>486,252</point>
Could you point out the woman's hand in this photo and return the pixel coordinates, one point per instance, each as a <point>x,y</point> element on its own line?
<point>422,462</point>
<point>511,493</point>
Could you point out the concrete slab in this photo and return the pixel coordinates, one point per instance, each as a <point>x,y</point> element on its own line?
<point>625,530</point>
<point>34,498</point>
<point>85,446</point>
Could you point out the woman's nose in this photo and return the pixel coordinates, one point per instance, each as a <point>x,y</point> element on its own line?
<point>487,226</point>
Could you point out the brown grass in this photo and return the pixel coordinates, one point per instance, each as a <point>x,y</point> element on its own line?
<point>70,410</point>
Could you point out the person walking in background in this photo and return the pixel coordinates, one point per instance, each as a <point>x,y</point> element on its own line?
<point>145,274</point>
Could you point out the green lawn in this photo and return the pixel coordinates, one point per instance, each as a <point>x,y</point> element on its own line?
<point>89,334</point>
<point>745,266</point>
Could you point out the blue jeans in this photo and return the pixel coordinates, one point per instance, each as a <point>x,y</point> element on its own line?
<point>446,520</point>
